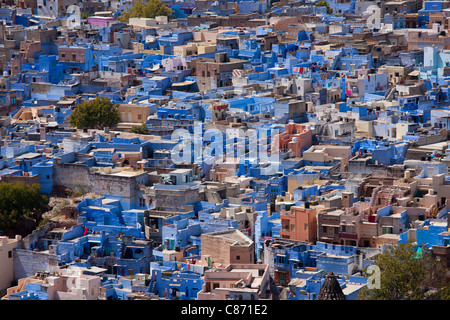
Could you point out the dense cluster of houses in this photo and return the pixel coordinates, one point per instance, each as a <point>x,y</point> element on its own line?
<point>284,140</point>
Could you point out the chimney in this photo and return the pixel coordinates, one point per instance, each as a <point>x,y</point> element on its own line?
<point>43,132</point>
<point>221,57</point>
<point>347,199</point>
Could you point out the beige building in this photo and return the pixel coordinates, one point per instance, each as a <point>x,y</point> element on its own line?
<point>236,282</point>
<point>329,225</point>
<point>194,49</point>
<point>363,129</point>
<point>226,247</point>
<point>148,22</point>
<point>206,35</point>
<point>7,246</point>
<point>215,73</point>
<point>74,283</point>
<point>29,113</point>
<point>328,153</point>
<point>397,74</point>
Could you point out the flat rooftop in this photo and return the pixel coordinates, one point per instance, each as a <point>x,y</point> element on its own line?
<point>29,155</point>
<point>238,237</point>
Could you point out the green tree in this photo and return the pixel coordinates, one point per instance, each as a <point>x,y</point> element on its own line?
<point>323,3</point>
<point>407,275</point>
<point>145,9</point>
<point>97,113</point>
<point>142,129</point>
<point>20,202</point>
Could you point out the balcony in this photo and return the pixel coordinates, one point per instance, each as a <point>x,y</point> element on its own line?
<point>345,235</point>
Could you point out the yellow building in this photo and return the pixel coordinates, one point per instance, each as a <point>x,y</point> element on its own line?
<point>194,48</point>
<point>132,115</point>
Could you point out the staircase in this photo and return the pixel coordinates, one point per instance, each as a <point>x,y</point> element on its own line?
<point>213,196</point>
<point>390,196</point>
<point>151,288</point>
<point>261,194</point>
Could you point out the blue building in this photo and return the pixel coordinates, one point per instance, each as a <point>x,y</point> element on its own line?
<point>306,286</point>
<point>382,152</point>
<point>175,280</point>
<point>432,232</point>
<point>266,227</point>
<point>107,214</point>
<point>184,230</point>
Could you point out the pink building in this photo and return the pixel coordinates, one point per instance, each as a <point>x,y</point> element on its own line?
<point>297,137</point>
<point>173,64</point>
<point>299,224</point>
<point>101,21</point>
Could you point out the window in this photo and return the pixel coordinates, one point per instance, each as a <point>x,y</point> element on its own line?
<point>306,226</point>
<point>282,278</point>
<point>388,230</point>
<point>9,254</point>
<point>238,257</point>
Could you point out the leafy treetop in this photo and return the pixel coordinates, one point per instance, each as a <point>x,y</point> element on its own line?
<point>97,113</point>
<point>145,9</point>
<point>20,202</point>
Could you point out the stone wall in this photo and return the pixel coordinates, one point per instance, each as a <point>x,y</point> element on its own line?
<point>27,263</point>
<point>74,176</point>
<point>29,180</point>
<point>71,175</point>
